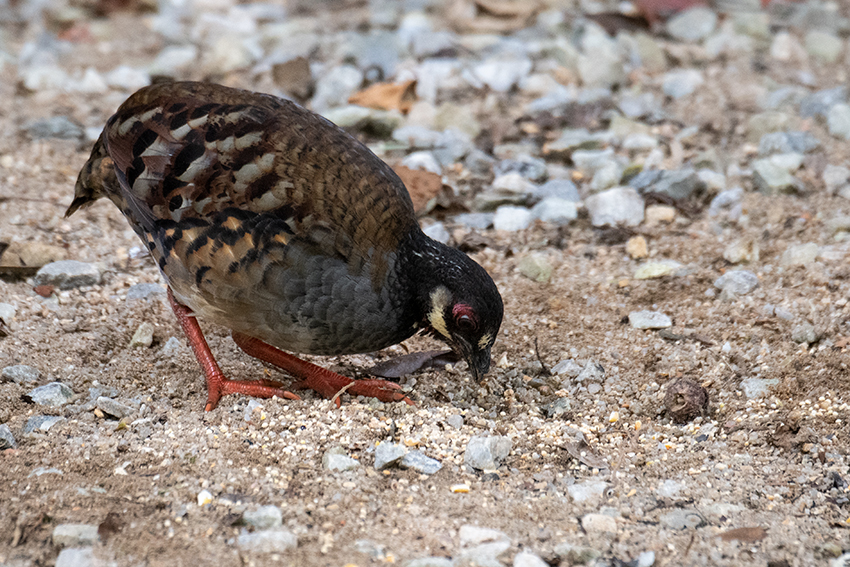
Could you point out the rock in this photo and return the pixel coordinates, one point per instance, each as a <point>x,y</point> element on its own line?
<point>146,292</point>
<point>618,206</point>
<point>824,45</point>
<point>804,333</point>
<point>587,491</point>
<point>480,221</point>
<point>502,74</point>
<point>32,254</point>
<point>737,282</point>
<point>420,462</point>
<point>528,559</point>
<point>835,177</point>
<point>555,210</point>
<point>143,337</point>
<point>429,562</point>
<point>267,541</point>
<point>771,178</point>
<point>204,497</point>
<point>572,141</point>
<point>766,122</point>
<point>528,167</point>
<point>171,348</point>
<point>592,372</point>
<point>536,266</point>
<point>7,440</point>
<point>438,232</point>
<point>77,557</point>
<point>743,250</point>
<point>74,535</point>
<point>455,421</point>
<point>68,274</point>
<point>451,115</point>
<point>819,103</point>
<point>388,455</point>
<point>7,313</point>
<point>486,453</point>
<point>650,53</point>
<point>559,407</point>
<point>451,146</point>
<point>838,120</point>
<point>637,248</point>
<point>474,535</point>
<point>576,554</point>
<point>800,255</point>
<point>263,517</point>
<point>730,199</point>
<point>568,366</point>
<point>54,394</point>
<point>679,184</point>
<point>423,160</point>
<point>682,519</point>
<point>658,269</point>
<point>600,62</point>
<point>479,162</point>
<point>334,88</point>
<point>336,459</point>
<point>645,559</point>
<point>649,320</point>
<point>559,189</point>
<point>787,142</point>
<point>693,24</point>
<point>670,488</point>
<point>513,182</point>
<point>512,218</point>
<point>174,60</point>
<point>20,374</point>
<point>41,423</point>
<point>681,83</point>
<point>598,523</point>
<point>113,408</point>
<point>127,78</point>
<point>757,387</point>
<point>60,127</point>
<point>659,214</point>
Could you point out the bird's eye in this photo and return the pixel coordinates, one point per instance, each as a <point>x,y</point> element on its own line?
<point>464,318</point>
<point>465,323</point>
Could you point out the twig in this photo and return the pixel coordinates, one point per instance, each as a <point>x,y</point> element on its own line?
<point>341,392</point>
<point>544,368</point>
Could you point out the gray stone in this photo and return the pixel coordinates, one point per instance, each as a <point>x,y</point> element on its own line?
<point>528,559</point>
<point>771,178</point>
<point>334,88</point>
<point>267,541</point>
<point>479,162</point>
<point>480,221</point>
<point>804,333</point>
<point>512,218</point>
<point>438,232</point>
<point>513,182</point>
<point>572,141</point>
<point>835,176</point>
<point>555,210</point>
<point>567,366</point>
<point>113,408</point>
<point>600,64</point>
<point>649,320</point>
<point>757,387</point>
<point>143,337</point>
<point>429,562</point>
<point>679,184</point>
<point>146,292</point>
<point>670,488</point>
<point>557,408</point>
<point>528,167</point>
<point>7,313</point>
<point>838,120</point>
<point>800,254</point>
<point>172,347</point>
<point>645,559</point>
<point>7,440</point>
<point>452,146</point>
<point>588,162</point>
<point>52,395</point>
<point>636,105</point>
<point>682,519</point>
<point>618,206</point>
<point>68,274</point>
<point>658,269</point>
<point>743,250</point>
<point>502,74</point>
<point>174,60</point>
<point>486,453</point>
<point>607,176</point>
<point>60,127</point>
<point>76,557</point>
<point>640,142</point>
<point>559,189</point>
<point>421,463</point>
<point>737,282</point>
<point>592,372</point>
<point>728,199</point>
<point>536,266</point>
<point>455,421</point>
<point>74,535</point>
<point>837,224</point>
<point>694,24</point>
<point>598,523</point>
<point>41,423</point>
<point>336,459</point>
<point>681,83</point>
<point>475,535</point>
<point>824,45</point>
<point>21,374</point>
<point>388,455</point>
<point>787,142</point>
<point>127,78</point>
<point>263,517</point>
<point>587,491</point>
<point>819,103</point>
<point>425,161</point>
<point>576,554</point>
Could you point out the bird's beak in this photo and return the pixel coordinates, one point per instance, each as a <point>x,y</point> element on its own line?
<point>479,362</point>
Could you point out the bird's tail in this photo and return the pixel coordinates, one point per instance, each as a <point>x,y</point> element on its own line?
<point>95,179</point>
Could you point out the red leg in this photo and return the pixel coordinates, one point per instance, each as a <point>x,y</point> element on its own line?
<point>328,384</point>
<point>217,384</point>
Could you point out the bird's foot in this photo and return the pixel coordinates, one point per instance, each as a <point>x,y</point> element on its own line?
<point>321,380</point>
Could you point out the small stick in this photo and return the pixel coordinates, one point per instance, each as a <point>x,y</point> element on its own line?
<point>545,369</point>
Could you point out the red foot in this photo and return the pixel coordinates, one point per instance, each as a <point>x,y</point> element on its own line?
<point>328,384</point>
<point>217,384</point>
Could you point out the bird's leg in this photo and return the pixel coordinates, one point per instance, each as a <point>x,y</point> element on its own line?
<point>319,379</point>
<point>217,384</point>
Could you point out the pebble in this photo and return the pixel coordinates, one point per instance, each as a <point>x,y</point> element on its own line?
<point>263,517</point>
<point>470,535</point>
<point>804,333</point>
<point>7,313</point>
<point>146,292</point>
<point>757,387</point>
<point>618,206</point>
<point>787,142</point>
<point>438,232</point>
<point>336,459</point>
<point>587,491</point>
<point>576,554</point>
<point>536,266</point>
<point>127,78</point>
<point>835,177</point>
<point>7,439</point>
<point>58,127</point>
<point>512,218</point>
<point>487,453</point>
<point>74,535</point>
<point>657,269</point>
<point>421,463</point>
<point>743,250</point>
<point>41,423</point>
<point>76,557</point>
<point>681,83</point>
<point>143,337</point>
<point>772,178</point>
<point>598,523</point>
<point>592,372</point>
<point>479,221</point>
<point>68,274</point>
<point>637,248</point>
<point>670,488</point>
<point>824,45</point>
<point>513,182</point>
<point>600,63</point>
<point>555,210</point>
<point>54,394</point>
<point>694,24</point>
<point>655,215</point>
<point>502,74</point>
<point>818,103</point>
<point>174,60</point>
<point>455,421</point>
<point>429,562</point>
<point>423,160</point>
<point>838,120</point>
<point>737,282</point>
<point>334,88</point>
<point>567,366</point>
<point>388,455</point>
<point>267,541</point>
<point>479,162</point>
<point>726,200</point>
<point>681,519</point>
<point>645,559</point>
<point>678,184</point>
<point>558,189</point>
<point>528,559</point>
<point>113,408</point>
<point>528,167</point>
<point>649,320</point>
<point>800,255</point>
<point>20,374</point>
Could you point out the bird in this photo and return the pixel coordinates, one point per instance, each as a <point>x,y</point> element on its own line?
<point>269,220</point>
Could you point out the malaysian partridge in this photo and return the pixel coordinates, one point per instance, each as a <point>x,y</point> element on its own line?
<point>271,221</point>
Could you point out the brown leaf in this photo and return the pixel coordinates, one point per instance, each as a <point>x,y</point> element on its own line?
<point>423,186</point>
<point>387,96</point>
<point>410,363</point>
<point>842,342</point>
<point>581,451</point>
<point>748,535</point>
<point>657,10</point>
<point>44,290</point>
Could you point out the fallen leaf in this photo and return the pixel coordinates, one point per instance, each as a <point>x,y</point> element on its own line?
<point>409,363</point>
<point>387,96</point>
<point>581,451</point>
<point>44,290</point>
<point>423,186</point>
<point>748,535</point>
<point>658,10</point>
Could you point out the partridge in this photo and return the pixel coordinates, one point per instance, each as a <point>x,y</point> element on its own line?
<point>267,219</point>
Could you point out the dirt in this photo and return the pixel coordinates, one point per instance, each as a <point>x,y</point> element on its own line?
<point>777,462</point>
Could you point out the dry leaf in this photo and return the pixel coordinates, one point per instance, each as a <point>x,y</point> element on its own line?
<point>410,363</point>
<point>387,96</point>
<point>748,535</point>
<point>423,186</point>
<point>657,10</point>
